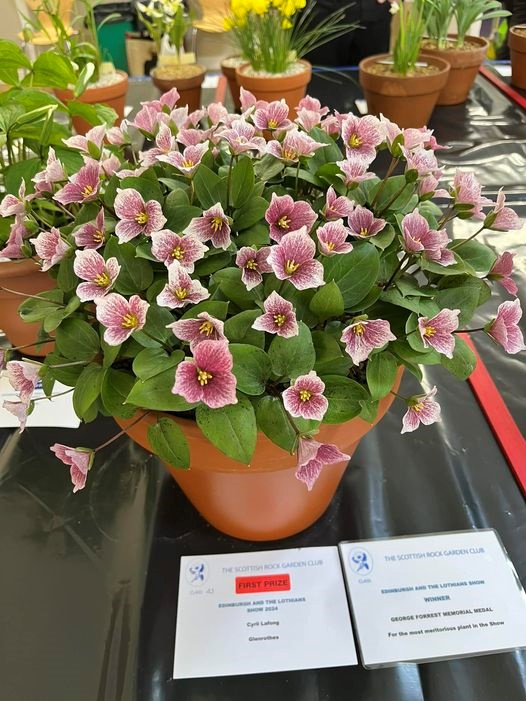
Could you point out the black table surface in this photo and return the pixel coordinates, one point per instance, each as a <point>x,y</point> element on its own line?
<point>88,584</point>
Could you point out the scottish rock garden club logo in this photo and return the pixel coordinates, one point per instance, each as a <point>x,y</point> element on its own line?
<point>196,573</point>
<point>360,561</point>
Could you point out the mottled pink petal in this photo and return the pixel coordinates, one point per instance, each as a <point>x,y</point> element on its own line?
<point>305,397</point>
<point>279,317</point>
<point>23,378</point>
<point>422,409</point>
<point>363,335</point>
<point>293,259</point>
<point>208,377</point>
<point>50,247</point>
<point>312,458</point>
<point>437,332</point>
<point>253,263</point>
<point>181,289</point>
<point>203,328</point>
<point>504,328</point>
<point>120,316</point>
<point>332,237</point>
<point>285,215</point>
<point>80,461</point>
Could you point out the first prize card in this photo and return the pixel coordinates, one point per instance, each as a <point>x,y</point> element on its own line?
<point>256,612</point>
<point>426,598</point>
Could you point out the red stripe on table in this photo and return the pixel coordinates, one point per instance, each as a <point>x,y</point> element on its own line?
<point>508,90</point>
<point>506,431</point>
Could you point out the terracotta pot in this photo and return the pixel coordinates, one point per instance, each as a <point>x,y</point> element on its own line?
<point>229,71</point>
<point>291,88</point>
<point>517,44</point>
<point>24,276</point>
<point>189,88</point>
<point>262,501</point>
<point>464,68</point>
<point>111,95</point>
<point>406,100</point>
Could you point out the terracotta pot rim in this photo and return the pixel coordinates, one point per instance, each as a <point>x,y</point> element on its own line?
<point>188,83</point>
<point>292,79</point>
<point>441,63</point>
<point>517,41</point>
<point>103,89</point>
<point>21,266</point>
<point>481,41</point>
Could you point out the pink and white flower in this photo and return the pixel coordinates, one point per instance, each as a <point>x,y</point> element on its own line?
<point>272,116</point>
<point>241,138</point>
<point>208,376</point>
<point>362,223</point>
<point>467,191</point>
<point>79,459</point>
<point>336,207</point>
<point>92,234</point>
<point>50,248</point>
<point>332,237</point>
<point>165,143</point>
<point>312,458</point>
<point>15,241</point>
<point>212,226</point>
<point>203,328</point>
<point>53,173</point>
<point>422,160</point>
<point>305,397</point>
<point>253,263</point>
<point>146,120</point>
<point>279,317</point>
<point>216,113</point>
<point>188,161</point>
<point>294,146</point>
<point>437,332</point>
<point>82,187</point>
<point>118,136</point>
<point>504,328</point>
<point>501,271</point>
<point>419,238</point>
<point>422,409</point>
<point>502,218</point>
<point>193,137</point>
<point>307,119</point>
<point>91,143</point>
<point>99,274</point>
<point>361,136</point>
<point>181,289</point>
<point>284,216</point>
<point>363,335</point>
<point>14,205</point>
<point>120,316</point>
<point>23,378</point>
<point>391,134</point>
<point>110,164</point>
<point>313,105</point>
<point>136,216</point>
<point>168,246</point>
<point>354,171</point>
<point>20,410</point>
<point>293,259</point>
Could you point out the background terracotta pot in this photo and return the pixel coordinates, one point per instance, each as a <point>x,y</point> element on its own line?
<point>464,68</point>
<point>262,501</point>
<point>228,68</point>
<point>112,95</point>
<point>24,276</point>
<point>406,100</point>
<point>292,88</point>
<point>189,88</point>
<point>517,44</point>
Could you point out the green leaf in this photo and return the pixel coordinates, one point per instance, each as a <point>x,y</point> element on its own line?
<point>327,154</point>
<point>460,293</point>
<point>87,390</point>
<point>355,272</point>
<point>268,167</point>
<point>480,257</point>
<point>178,211</point>
<point>77,340</point>
<point>38,309</point>
<point>153,361</point>
<point>205,181</point>
<point>116,385</point>
<point>212,262</point>
<point>155,393</point>
<point>219,310</point>
<point>21,170</point>
<point>136,273</point>
<point>68,374</point>
<point>12,58</point>
<point>381,374</point>
<point>291,357</point>
<point>251,213</point>
<point>463,362</point>
<point>149,189</point>
<point>393,186</point>
<point>458,268</point>
<point>231,285</point>
<point>238,329</point>
<point>273,422</point>
<point>242,183</point>
<point>231,429</point>
<point>169,443</point>
<point>50,70</point>
<point>251,368</point>
<point>110,353</point>
<point>344,396</point>
<point>66,278</point>
<point>327,302</point>
<point>369,410</point>
<point>155,332</point>
<point>256,236</point>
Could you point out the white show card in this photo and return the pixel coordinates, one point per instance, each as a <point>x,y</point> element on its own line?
<point>55,412</point>
<point>431,597</point>
<point>246,613</point>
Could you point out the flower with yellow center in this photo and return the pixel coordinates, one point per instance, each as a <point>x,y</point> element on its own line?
<point>87,191</point>
<point>141,218</point>
<point>188,163</point>
<point>331,245</point>
<point>178,253</point>
<point>284,222</point>
<point>291,266</point>
<point>102,280</point>
<point>216,223</point>
<point>98,236</point>
<point>129,321</point>
<point>429,331</point>
<point>203,377</point>
<point>280,319</point>
<point>206,328</point>
<point>181,292</point>
<point>354,141</point>
<point>305,395</point>
<point>359,329</point>
<point>251,264</point>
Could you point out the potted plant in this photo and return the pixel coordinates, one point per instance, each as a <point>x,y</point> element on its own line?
<point>402,86</point>
<point>517,44</point>
<point>244,308</point>
<point>272,37</point>
<point>464,53</point>
<point>229,66</point>
<point>167,23</point>
<point>74,67</point>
